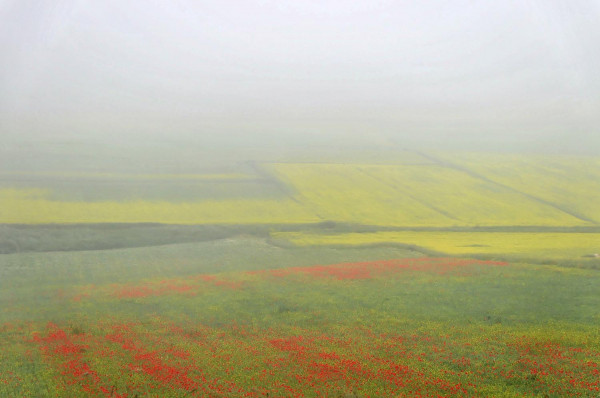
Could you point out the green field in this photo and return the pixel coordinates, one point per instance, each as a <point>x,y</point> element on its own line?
<point>243,318</point>
<point>431,275</point>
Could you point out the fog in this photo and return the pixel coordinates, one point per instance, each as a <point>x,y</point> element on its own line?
<point>273,198</point>
<point>138,77</point>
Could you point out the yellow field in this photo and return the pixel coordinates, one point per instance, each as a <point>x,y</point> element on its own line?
<point>413,195</point>
<point>346,193</point>
<point>571,183</point>
<point>32,207</point>
<point>492,190</point>
<point>544,245</point>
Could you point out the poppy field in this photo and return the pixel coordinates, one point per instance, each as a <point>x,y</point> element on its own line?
<point>393,327</point>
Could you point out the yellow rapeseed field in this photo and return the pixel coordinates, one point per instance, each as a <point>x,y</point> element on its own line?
<point>413,195</point>
<point>343,192</point>
<point>33,207</point>
<point>543,244</point>
<point>494,190</point>
<point>570,183</point>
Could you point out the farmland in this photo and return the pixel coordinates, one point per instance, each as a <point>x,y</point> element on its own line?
<point>414,195</point>
<point>399,326</point>
<point>299,199</point>
<point>550,178</point>
<point>543,245</point>
<point>417,193</point>
<point>415,274</point>
<point>29,207</point>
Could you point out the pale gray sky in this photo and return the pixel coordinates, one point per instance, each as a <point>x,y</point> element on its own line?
<point>254,71</point>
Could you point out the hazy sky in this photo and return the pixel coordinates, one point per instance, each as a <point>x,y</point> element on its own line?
<point>298,71</point>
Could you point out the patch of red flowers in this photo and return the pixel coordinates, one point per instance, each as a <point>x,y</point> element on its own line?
<point>191,286</point>
<point>128,360</point>
<point>370,269</point>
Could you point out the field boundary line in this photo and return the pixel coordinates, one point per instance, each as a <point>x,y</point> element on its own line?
<point>448,164</point>
<point>403,191</point>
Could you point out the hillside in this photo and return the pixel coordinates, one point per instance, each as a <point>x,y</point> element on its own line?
<point>447,190</point>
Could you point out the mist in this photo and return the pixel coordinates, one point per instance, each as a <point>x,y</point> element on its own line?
<point>284,76</point>
<point>308,198</point>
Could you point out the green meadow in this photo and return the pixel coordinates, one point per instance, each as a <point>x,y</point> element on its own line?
<point>412,274</point>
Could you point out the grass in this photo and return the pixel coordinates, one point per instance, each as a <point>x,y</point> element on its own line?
<point>218,324</point>
<point>278,294</point>
<point>167,187</point>
<point>58,269</point>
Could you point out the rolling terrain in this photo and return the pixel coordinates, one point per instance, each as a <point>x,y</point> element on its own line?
<point>495,190</point>
<point>413,274</point>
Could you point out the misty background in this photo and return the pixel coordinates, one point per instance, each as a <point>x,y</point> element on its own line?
<point>158,85</point>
